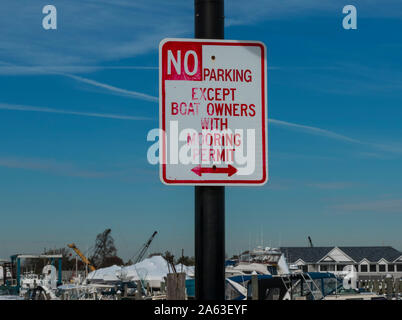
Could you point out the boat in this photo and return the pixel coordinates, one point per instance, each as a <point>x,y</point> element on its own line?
<point>47,280</point>
<point>261,260</point>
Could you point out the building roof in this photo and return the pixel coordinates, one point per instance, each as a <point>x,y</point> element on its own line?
<point>372,254</point>
<point>314,254</point>
<point>307,254</point>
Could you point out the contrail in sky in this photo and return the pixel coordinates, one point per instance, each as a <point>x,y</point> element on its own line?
<point>300,127</point>
<point>313,130</point>
<point>146,97</point>
<point>288,125</point>
<point>142,96</point>
<point>130,93</point>
<point>4,106</point>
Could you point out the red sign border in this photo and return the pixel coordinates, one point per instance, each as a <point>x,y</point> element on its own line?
<point>162,114</point>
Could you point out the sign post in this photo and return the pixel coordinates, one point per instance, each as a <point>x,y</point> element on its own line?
<point>209,200</point>
<point>213,102</point>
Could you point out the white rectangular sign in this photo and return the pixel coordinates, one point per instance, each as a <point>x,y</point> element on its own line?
<point>213,112</point>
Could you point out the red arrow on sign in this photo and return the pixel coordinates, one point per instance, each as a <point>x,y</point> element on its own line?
<point>230,170</point>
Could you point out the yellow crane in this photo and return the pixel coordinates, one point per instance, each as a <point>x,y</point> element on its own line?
<point>81,255</point>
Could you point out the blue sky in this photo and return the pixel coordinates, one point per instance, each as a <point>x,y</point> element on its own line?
<point>76,105</point>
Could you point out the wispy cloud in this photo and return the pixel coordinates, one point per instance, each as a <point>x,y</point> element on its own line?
<point>387,147</point>
<point>293,155</point>
<point>90,32</point>
<point>7,67</point>
<point>95,31</point>
<point>10,69</point>
<point>380,147</point>
<point>291,125</point>
<point>313,130</point>
<point>353,79</point>
<point>373,155</point>
<point>380,206</point>
<point>331,185</point>
<point>114,90</point>
<point>14,107</point>
<point>48,165</point>
<point>394,149</point>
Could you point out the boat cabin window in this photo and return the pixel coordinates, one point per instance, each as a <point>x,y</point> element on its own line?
<point>272,270</point>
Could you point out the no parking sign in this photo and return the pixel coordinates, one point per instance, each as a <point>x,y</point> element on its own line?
<point>213,112</point>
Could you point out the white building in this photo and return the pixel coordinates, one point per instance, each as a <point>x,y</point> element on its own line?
<point>370,262</point>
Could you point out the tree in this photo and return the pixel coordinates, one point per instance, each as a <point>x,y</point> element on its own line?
<point>115,260</point>
<point>169,257</point>
<point>155,254</point>
<point>186,260</point>
<point>104,250</point>
<point>67,260</point>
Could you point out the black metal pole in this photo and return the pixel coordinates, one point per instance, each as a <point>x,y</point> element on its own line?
<point>209,200</point>
<point>209,19</point>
